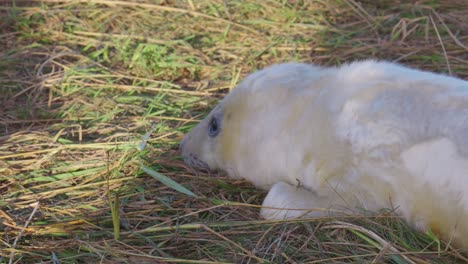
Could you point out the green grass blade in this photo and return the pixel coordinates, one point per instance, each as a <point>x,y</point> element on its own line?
<point>167,181</point>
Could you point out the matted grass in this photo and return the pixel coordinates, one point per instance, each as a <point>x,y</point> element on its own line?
<point>96,95</point>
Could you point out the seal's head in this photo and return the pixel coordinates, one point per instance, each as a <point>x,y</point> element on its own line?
<point>214,141</point>
<point>250,133</point>
<point>202,155</point>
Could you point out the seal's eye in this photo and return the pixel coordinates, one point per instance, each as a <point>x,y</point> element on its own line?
<point>213,127</point>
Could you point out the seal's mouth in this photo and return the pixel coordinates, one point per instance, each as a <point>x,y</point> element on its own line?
<point>190,158</point>
<point>193,161</point>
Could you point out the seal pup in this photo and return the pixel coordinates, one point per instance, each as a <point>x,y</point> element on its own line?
<point>365,135</point>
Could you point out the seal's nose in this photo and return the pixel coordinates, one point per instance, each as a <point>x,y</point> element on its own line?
<point>183,143</point>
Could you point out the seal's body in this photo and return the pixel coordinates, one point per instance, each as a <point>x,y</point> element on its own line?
<point>368,135</point>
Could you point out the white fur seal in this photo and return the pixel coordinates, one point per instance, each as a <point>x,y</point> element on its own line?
<point>366,135</point>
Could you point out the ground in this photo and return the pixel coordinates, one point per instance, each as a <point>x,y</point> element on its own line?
<point>97,94</point>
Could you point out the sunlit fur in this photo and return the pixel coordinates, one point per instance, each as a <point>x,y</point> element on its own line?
<point>367,135</point>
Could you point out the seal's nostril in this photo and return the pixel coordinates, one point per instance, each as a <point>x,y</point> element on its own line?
<point>183,143</point>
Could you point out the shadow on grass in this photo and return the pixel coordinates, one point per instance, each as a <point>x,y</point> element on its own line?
<point>23,101</point>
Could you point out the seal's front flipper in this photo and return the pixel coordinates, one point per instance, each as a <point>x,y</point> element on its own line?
<point>285,201</point>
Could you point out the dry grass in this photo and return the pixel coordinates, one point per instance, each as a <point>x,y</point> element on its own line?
<point>94,89</point>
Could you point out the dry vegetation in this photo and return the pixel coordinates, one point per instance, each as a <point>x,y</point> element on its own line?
<point>96,94</point>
